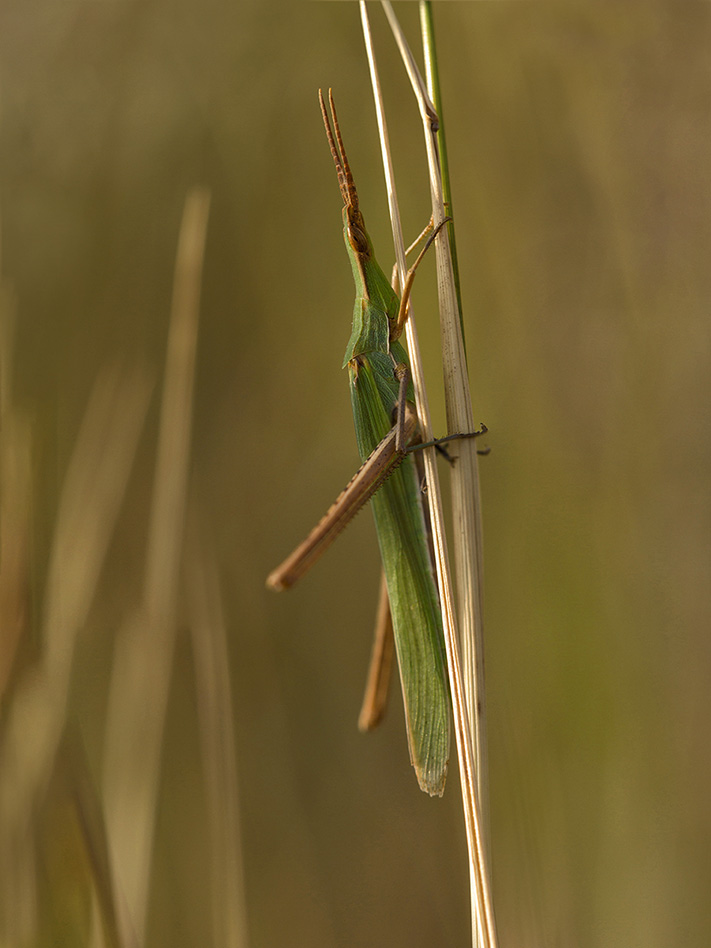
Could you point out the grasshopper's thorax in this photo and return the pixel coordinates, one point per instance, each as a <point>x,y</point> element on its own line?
<point>376,304</point>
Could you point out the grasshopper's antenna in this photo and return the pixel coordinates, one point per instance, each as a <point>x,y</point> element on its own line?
<point>357,236</point>
<point>342,180</point>
<point>352,193</point>
<point>343,169</point>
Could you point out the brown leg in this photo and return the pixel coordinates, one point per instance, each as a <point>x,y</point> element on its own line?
<point>381,659</point>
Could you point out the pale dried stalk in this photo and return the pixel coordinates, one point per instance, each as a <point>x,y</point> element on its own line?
<point>15,501</point>
<point>483,924</point>
<point>144,650</point>
<point>466,501</point>
<point>217,743</point>
<point>91,496</point>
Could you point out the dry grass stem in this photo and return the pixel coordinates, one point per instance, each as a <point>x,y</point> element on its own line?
<point>461,420</point>
<point>93,489</point>
<point>15,495</point>
<point>144,648</point>
<point>466,503</point>
<point>90,816</point>
<point>217,737</point>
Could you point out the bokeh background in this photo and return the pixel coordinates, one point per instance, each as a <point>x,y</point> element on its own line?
<point>579,143</point>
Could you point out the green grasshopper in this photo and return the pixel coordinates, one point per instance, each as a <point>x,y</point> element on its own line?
<point>386,425</point>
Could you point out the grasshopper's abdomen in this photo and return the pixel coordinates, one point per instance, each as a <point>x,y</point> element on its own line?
<point>414,602</point>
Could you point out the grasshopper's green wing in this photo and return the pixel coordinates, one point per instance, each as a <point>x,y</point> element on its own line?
<point>414,603</point>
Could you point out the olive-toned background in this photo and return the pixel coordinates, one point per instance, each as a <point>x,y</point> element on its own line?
<point>579,142</point>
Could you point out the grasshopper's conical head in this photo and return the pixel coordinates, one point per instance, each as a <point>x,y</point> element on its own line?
<point>355,225</point>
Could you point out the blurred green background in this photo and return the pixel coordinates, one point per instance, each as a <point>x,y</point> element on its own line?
<point>579,143</point>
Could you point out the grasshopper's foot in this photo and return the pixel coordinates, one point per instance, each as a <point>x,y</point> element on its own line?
<point>438,442</point>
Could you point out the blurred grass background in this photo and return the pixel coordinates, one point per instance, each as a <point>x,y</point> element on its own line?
<point>579,142</point>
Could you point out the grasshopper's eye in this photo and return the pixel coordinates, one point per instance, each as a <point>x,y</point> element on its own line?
<point>357,238</point>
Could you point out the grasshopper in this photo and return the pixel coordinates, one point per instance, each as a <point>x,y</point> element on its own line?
<point>386,427</point>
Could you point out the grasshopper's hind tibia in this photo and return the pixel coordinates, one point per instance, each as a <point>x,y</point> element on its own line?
<point>381,659</point>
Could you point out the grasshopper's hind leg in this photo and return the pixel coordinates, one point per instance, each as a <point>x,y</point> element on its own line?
<point>381,659</point>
